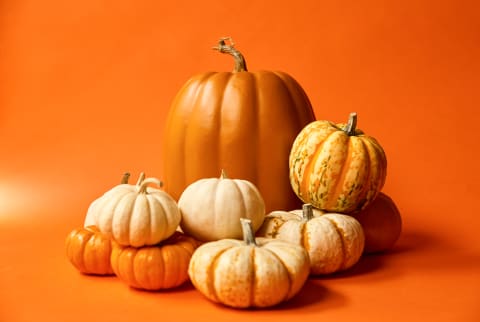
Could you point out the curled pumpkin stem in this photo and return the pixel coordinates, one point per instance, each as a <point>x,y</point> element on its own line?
<point>228,48</point>
<point>142,188</point>
<point>141,178</point>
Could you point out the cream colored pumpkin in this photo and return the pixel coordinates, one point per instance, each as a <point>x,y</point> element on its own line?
<point>137,215</point>
<point>211,208</point>
<point>252,272</point>
<point>333,241</point>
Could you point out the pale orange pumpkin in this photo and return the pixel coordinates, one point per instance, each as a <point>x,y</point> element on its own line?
<point>382,224</point>
<point>253,272</point>
<point>89,250</point>
<point>336,167</point>
<point>334,242</point>
<point>211,208</point>
<point>241,121</point>
<point>161,266</point>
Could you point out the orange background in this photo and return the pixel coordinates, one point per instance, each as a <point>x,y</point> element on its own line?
<point>84,90</point>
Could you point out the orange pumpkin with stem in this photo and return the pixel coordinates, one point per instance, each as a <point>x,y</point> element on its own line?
<point>89,250</point>
<point>226,120</point>
<point>156,267</point>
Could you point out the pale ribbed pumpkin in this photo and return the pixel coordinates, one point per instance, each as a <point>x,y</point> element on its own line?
<point>137,215</point>
<point>161,266</point>
<point>337,167</point>
<point>253,272</point>
<point>89,250</point>
<point>241,121</point>
<point>334,242</point>
<point>212,207</point>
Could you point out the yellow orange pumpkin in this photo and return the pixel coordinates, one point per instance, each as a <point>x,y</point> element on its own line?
<point>242,121</point>
<point>161,266</point>
<point>89,250</point>
<point>336,167</point>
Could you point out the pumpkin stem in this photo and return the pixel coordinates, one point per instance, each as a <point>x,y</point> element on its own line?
<point>352,124</point>
<point>141,178</point>
<point>248,236</point>
<point>224,48</point>
<point>307,212</point>
<point>142,188</point>
<point>223,174</point>
<point>125,178</point>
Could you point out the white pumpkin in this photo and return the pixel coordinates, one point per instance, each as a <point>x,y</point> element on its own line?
<point>211,208</point>
<point>333,241</point>
<point>136,215</point>
<point>253,272</point>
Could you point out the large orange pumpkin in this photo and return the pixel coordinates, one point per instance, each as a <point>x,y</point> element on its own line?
<point>241,121</point>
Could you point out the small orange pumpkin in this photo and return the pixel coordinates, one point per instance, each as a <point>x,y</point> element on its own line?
<point>89,250</point>
<point>382,224</point>
<point>161,266</point>
<point>336,167</point>
<point>226,119</point>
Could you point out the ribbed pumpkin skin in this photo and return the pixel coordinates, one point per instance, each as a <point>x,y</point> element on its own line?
<point>334,171</point>
<point>156,267</point>
<point>89,250</point>
<point>382,224</point>
<point>135,215</point>
<point>334,242</point>
<point>243,122</point>
<point>212,207</point>
<point>230,272</point>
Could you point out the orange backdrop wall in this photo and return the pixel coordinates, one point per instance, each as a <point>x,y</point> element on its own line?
<point>84,91</point>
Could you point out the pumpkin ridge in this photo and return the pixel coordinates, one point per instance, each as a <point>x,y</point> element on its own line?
<point>158,198</point>
<point>219,113</point>
<point>116,215</point>
<point>289,275</point>
<point>341,233</point>
<point>256,129</point>
<point>211,273</point>
<point>92,241</point>
<point>199,92</point>
<point>289,90</point>
<point>364,197</point>
<point>338,184</point>
<point>254,276</point>
<point>305,179</point>
<point>83,262</point>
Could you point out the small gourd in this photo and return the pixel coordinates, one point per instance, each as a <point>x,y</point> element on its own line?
<point>212,207</point>
<point>382,224</point>
<point>136,215</point>
<point>161,266</point>
<point>336,167</point>
<point>333,241</point>
<point>89,250</point>
<point>253,272</point>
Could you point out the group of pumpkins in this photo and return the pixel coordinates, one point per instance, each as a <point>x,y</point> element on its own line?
<point>302,196</point>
